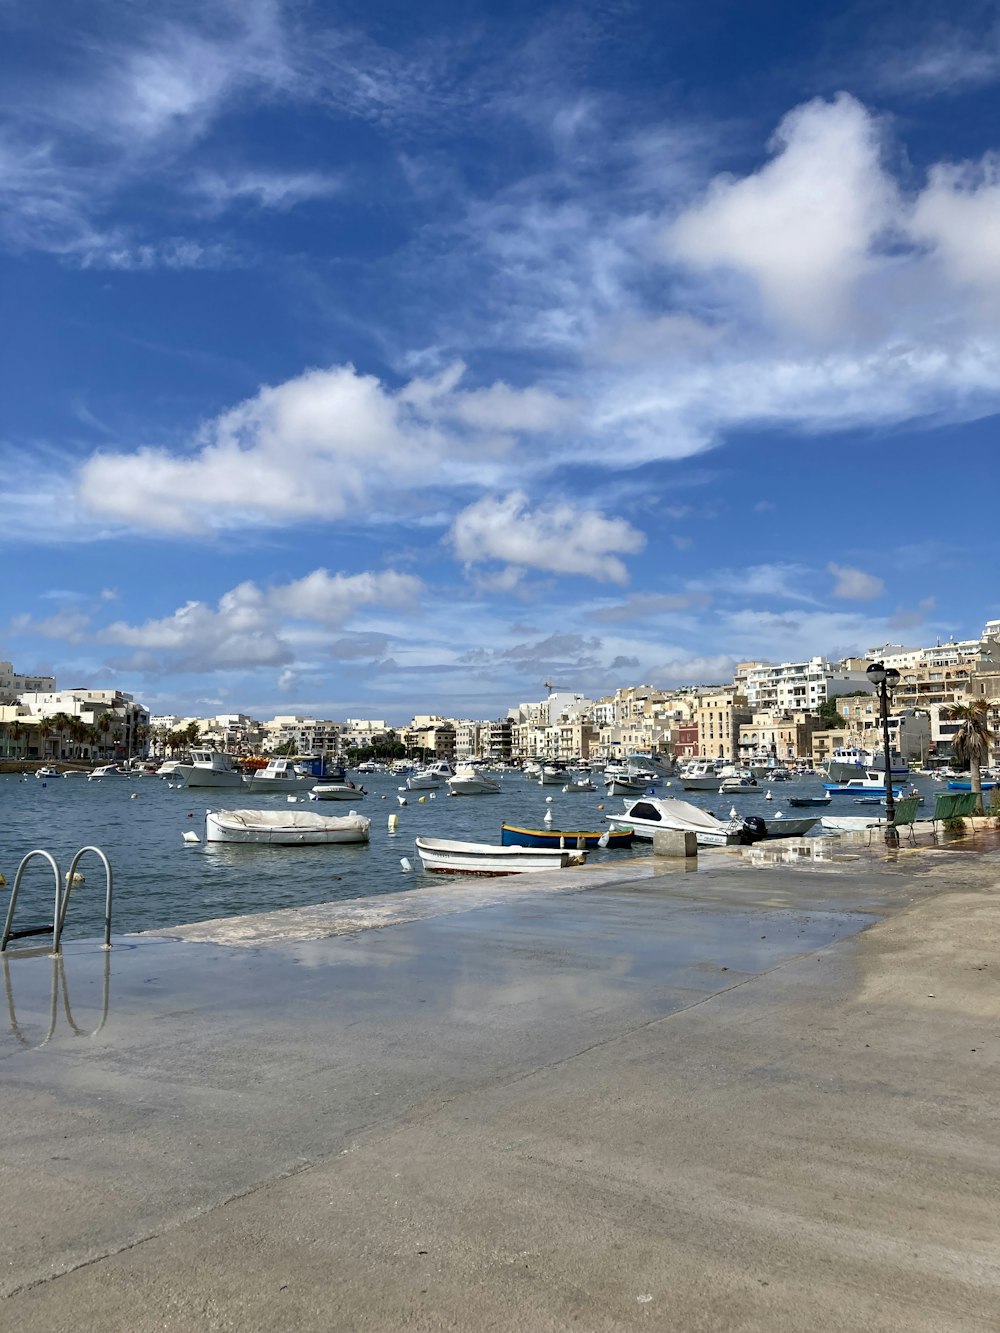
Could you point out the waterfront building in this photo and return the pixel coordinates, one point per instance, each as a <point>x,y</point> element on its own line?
<point>777,736</point>
<point>13,685</point>
<point>798,686</point>
<point>121,724</point>
<point>720,716</point>
<point>306,735</point>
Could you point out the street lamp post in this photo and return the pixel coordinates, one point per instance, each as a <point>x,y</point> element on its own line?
<point>885,680</point>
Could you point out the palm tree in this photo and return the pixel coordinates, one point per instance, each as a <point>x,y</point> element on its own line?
<point>61,723</point>
<point>45,730</point>
<point>971,742</point>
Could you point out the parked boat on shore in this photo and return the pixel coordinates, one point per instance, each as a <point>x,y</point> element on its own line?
<point>650,814</point>
<point>511,835</point>
<point>448,856</point>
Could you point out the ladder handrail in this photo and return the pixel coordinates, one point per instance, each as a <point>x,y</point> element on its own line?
<point>38,851</point>
<point>69,888</point>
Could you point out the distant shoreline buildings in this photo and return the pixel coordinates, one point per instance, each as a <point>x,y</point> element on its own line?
<point>799,711</point>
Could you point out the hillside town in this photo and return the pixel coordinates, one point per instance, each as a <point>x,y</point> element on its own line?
<point>797,712</point>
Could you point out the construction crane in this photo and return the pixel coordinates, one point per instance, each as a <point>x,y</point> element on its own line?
<point>549,687</point>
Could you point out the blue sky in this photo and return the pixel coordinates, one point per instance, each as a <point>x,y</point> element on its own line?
<point>362,360</point>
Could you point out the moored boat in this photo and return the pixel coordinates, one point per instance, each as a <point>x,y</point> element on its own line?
<point>337,789</point>
<point>430,778</point>
<point>447,856</point>
<point>284,828</point>
<point>280,775</point>
<point>468,780</point>
<point>808,801</point>
<point>513,836</point>
<point>650,814</point>
<point>207,768</point>
<point>788,828</point>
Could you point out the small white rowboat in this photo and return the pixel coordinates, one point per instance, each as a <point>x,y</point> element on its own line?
<point>444,856</point>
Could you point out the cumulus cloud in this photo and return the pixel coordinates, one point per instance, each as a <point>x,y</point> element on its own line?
<point>854,584</point>
<point>958,215</point>
<point>251,626</point>
<point>314,447</point>
<point>560,538</point>
<point>801,227</point>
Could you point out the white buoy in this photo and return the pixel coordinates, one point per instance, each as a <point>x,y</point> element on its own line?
<point>548,817</point>
<point>78,878</point>
<point>721,792</point>
<point>134,796</point>
<point>432,796</point>
<point>769,797</point>
<point>779,815</point>
<point>291,799</point>
<point>668,784</point>
<point>732,812</point>
<point>548,800</point>
<point>189,835</point>
<point>405,864</point>
<point>401,800</point>
<point>393,823</point>
<point>604,839</point>
<point>401,789</point>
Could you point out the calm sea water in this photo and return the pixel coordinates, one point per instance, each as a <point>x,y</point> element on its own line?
<point>160,880</point>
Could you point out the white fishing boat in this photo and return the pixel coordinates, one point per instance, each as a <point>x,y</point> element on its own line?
<point>552,774</point>
<point>431,777</point>
<point>737,786</point>
<point>580,781</point>
<point>649,814</point>
<point>337,789</point>
<point>280,775</point>
<point>626,784</point>
<point>47,771</point>
<point>106,771</point>
<point>445,856</point>
<point>206,768</point>
<point>284,828</point>
<point>468,780</point>
<point>699,776</point>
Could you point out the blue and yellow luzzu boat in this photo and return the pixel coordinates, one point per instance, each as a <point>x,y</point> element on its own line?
<point>513,836</point>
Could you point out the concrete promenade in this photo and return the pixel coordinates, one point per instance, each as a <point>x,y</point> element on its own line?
<point>751,1097</point>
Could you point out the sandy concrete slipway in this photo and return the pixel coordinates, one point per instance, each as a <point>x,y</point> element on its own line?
<point>753,1096</point>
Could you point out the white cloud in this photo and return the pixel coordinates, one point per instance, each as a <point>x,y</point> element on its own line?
<point>803,225</point>
<point>854,584</point>
<point>277,190</point>
<point>958,214</point>
<point>327,443</point>
<point>560,538</point>
<point>253,626</point>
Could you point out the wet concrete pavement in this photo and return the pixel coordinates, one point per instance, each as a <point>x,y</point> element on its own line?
<point>708,1100</point>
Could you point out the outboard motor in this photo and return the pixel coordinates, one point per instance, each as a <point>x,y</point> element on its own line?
<point>754,828</point>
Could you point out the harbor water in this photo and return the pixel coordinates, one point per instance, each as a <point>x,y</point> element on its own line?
<point>160,880</point>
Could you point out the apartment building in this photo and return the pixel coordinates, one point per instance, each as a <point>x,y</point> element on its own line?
<point>13,685</point>
<point>797,686</point>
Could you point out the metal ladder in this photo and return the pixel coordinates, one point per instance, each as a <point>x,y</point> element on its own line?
<point>63,889</point>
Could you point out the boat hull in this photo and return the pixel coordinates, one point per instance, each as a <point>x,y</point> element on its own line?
<point>336,791</point>
<point>298,830</point>
<point>700,784</point>
<point>443,856</point>
<point>206,777</point>
<point>512,836</point>
<point>789,828</point>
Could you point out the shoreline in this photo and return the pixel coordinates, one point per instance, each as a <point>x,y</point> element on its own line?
<point>751,1097</point>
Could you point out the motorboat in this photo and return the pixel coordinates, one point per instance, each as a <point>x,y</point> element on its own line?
<point>580,781</point>
<point>850,761</point>
<point>625,784</point>
<point>431,777</point>
<point>206,768</point>
<point>446,856</point>
<point>513,836</point>
<point>339,788</point>
<point>737,786</point>
<point>650,814</point>
<point>281,775</point>
<point>468,780</point>
<point>47,771</point>
<point>700,776</point>
<point>788,828</point>
<point>106,771</point>
<point>858,787</point>
<point>552,774</point>
<point>284,828</point>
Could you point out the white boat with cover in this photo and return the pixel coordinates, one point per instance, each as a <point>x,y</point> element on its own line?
<point>207,768</point>
<point>471,781</point>
<point>284,828</point>
<point>445,856</point>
